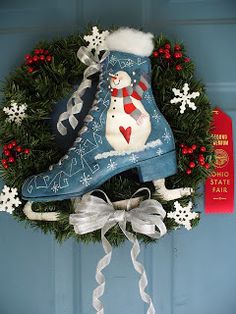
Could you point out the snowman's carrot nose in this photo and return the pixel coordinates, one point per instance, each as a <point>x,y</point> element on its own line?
<point>112,75</point>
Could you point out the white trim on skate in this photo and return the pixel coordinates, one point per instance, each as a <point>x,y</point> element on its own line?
<point>123,153</point>
<point>130,40</point>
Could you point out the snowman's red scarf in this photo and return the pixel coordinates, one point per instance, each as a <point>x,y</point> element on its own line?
<point>127,92</point>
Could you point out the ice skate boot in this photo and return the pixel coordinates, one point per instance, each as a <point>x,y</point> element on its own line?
<point>124,128</point>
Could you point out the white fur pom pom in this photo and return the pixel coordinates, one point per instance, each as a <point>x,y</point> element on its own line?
<point>130,40</point>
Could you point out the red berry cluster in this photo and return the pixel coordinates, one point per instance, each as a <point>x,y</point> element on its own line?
<point>10,152</point>
<point>33,61</point>
<point>196,155</point>
<point>171,54</point>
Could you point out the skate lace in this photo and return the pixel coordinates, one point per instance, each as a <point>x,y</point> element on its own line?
<point>88,119</point>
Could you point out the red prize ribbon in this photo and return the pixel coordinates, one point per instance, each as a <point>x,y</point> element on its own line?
<point>219,188</point>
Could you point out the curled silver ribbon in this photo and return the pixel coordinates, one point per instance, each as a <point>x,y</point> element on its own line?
<point>75,103</point>
<point>93,213</point>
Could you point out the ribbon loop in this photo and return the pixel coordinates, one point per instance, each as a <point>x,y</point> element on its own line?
<point>93,213</point>
<point>75,103</point>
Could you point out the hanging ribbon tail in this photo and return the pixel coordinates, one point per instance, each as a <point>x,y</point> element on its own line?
<point>143,282</point>
<point>100,278</point>
<point>75,103</point>
<point>93,213</point>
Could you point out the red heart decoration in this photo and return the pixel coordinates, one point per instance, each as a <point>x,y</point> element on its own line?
<point>126,133</point>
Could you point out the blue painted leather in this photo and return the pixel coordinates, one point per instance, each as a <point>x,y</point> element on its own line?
<point>81,171</point>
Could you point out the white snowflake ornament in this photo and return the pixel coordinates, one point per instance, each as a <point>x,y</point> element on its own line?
<point>16,112</point>
<point>184,98</point>
<point>183,215</point>
<point>9,199</point>
<point>96,40</point>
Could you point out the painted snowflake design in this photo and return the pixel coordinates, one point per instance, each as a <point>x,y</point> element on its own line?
<point>156,115</point>
<point>80,150</point>
<point>85,179</point>
<point>111,165</point>
<point>96,127</point>
<point>96,40</point>
<point>113,60</point>
<point>166,136</point>
<point>149,98</point>
<point>133,158</point>
<point>55,187</point>
<point>16,112</point>
<point>184,98</point>
<point>9,199</point>
<point>159,152</point>
<point>183,215</point>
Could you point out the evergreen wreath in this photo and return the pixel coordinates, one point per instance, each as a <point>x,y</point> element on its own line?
<point>48,75</point>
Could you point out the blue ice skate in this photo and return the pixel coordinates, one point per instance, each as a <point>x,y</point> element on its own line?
<point>124,128</point>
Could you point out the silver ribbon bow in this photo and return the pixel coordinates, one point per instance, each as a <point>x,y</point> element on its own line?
<point>93,213</point>
<point>75,103</point>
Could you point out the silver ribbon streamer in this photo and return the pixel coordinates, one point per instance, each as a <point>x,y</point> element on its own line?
<point>75,103</point>
<point>93,213</point>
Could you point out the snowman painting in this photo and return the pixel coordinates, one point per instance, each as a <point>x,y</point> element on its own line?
<point>128,124</point>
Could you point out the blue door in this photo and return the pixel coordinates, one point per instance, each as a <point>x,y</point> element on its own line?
<point>189,272</point>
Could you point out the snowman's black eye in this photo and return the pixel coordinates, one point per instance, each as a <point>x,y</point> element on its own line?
<point>116,74</point>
